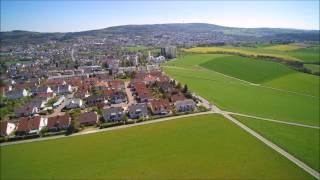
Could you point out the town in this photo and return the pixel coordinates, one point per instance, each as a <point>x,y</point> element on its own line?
<point>46,99</point>
<point>159,90</point>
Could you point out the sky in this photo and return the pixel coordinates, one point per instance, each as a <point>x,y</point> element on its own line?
<point>73,15</point>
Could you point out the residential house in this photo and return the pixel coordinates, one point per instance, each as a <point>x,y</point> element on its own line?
<point>113,114</point>
<point>185,105</point>
<point>159,106</point>
<point>88,118</point>
<point>138,110</point>
<point>101,85</point>
<point>16,94</point>
<point>6,128</point>
<point>177,97</point>
<point>96,100</point>
<point>31,125</point>
<point>118,97</point>
<point>74,103</point>
<point>26,110</point>
<point>74,81</point>
<point>117,85</point>
<point>62,89</point>
<point>149,79</point>
<point>56,82</point>
<point>26,85</point>
<point>82,94</point>
<point>43,89</point>
<point>141,92</point>
<point>46,96</point>
<point>59,122</point>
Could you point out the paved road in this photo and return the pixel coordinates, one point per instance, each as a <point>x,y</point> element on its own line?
<point>72,55</point>
<point>129,94</point>
<point>57,111</point>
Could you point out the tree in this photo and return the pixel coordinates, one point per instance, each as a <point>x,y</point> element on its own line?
<point>178,85</point>
<point>173,82</point>
<point>185,89</point>
<point>74,127</point>
<point>124,119</point>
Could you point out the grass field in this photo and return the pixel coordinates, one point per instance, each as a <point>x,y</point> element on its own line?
<point>272,74</point>
<point>301,142</point>
<point>311,54</point>
<point>237,96</point>
<point>199,147</point>
<point>249,69</point>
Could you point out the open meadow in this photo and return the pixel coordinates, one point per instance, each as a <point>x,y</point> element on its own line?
<point>198,147</point>
<point>301,142</point>
<point>259,88</point>
<point>284,101</point>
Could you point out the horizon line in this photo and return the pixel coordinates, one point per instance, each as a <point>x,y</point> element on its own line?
<point>289,28</point>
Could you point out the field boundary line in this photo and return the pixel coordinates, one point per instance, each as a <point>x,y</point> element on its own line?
<point>247,82</point>
<point>296,161</point>
<point>261,85</point>
<point>274,120</point>
<point>106,129</point>
<point>228,76</point>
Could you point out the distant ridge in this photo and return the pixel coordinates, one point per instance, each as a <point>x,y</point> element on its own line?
<point>234,34</point>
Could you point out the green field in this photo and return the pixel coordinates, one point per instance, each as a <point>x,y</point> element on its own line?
<point>301,142</point>
<point>269,73</point>
<point>200,147</point>
<point>249,69</point>
<point>311,54</point>
<point>241,97</point>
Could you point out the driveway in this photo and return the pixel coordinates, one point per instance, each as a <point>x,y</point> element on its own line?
<point>129,95</point>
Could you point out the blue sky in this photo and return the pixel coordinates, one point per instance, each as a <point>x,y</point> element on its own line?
<point>66,16</point>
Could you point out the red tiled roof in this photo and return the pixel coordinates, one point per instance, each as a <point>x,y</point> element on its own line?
<point>177,97</point>
<point>88,117</point>
<point>55,82</point>
<point>63,120</point>
<point>116,84</point>
<point>25,85</point>
<point>158,103</point>
<point>74,81</point>
<point>108,92</point>
<point>150,78</point>
<point>29,123</point>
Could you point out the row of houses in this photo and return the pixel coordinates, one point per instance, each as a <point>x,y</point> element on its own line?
<point>60,86</point>
<point>160,106</point>
<point>34,124</point>
<point>38,91</point>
